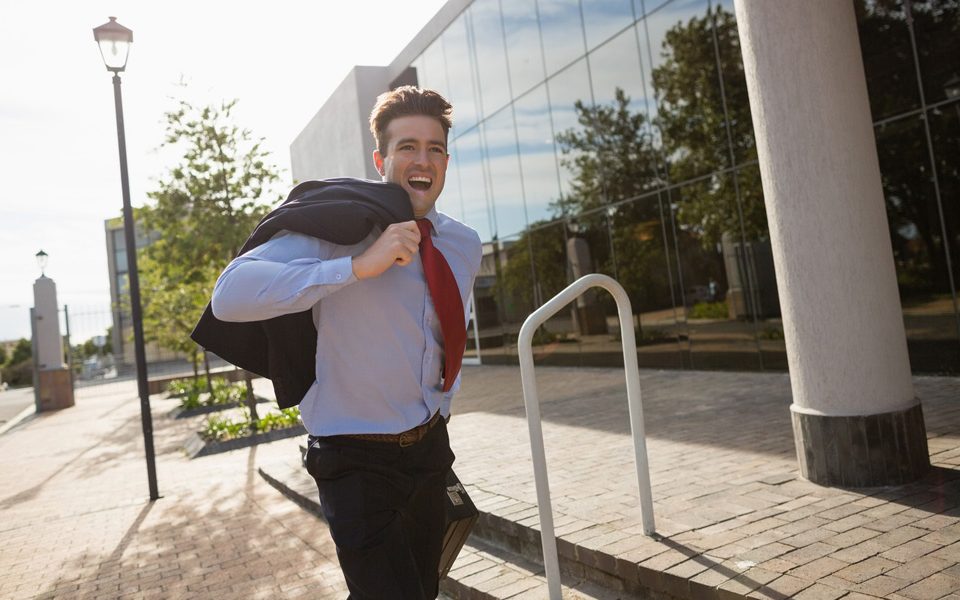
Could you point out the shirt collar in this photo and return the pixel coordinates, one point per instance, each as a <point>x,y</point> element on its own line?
<point>434,217</point>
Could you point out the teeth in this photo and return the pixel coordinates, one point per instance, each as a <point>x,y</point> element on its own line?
<point>421,179</point>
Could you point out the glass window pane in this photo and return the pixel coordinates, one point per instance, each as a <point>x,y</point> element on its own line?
<point>734,83</point>
<point>936,25</point>
<point>486,291</point>
<point>566,89</point>
<point>537,158</point>
<point>460,76</point>
<point>500,141</point>
<point>614,65</point>
<point>716,271</point>
<point>491,59</point>
<point>473,186</point>
<point>643,256</point>
<point>602,19</point>
<point>431,73</point>
<point>451,200</point>
<point>690,117</point>
<point>916,236</point>
<point>887,58</point>
<point>524,53</point>
<point>562,31</point>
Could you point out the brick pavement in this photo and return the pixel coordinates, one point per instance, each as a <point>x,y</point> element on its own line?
<point>76,522</point>
<point>737,519</point>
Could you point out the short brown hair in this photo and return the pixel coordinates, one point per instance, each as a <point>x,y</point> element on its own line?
<point>405,101</point>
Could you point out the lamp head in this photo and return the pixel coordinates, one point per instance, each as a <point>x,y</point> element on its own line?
<point>42,258</point>
<point>114,40</point>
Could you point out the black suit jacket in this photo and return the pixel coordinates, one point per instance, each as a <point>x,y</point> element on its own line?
<point>283,349</point>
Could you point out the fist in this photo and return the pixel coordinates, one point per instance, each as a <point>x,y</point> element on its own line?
<point>396,245</point>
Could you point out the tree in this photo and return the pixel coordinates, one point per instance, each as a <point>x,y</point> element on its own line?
<point>21,352</point>
<point>3,355</point>
<point>610,155</point>
<point>693,117</point>
<point>202,211</point>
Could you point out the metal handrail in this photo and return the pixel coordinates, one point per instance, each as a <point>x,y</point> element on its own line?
<point>531,401</point>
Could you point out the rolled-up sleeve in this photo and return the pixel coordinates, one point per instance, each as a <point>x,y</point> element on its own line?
<point>288,274</point>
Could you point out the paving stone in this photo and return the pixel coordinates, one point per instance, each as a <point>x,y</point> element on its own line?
<point>932,587</point>
<point>819,568</point>
<point>818,591</point>
<point>867,569</point>
<point>881,585</point>
<point>918,568</point>
<point>910,551</point>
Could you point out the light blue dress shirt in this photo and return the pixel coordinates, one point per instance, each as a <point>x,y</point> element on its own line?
<point>379,344</point>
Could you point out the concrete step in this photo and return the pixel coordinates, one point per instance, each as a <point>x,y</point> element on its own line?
<point>498,562</point>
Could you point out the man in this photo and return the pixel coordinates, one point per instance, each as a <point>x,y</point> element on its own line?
<point>388,354</point>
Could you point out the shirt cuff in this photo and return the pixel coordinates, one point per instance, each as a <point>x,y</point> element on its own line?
<point>334,271</point>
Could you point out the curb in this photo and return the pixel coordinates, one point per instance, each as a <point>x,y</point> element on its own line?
<point>196,446</point>
<point>24,415</point>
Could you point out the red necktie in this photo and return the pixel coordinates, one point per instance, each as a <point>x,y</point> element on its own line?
<point>446,301</point>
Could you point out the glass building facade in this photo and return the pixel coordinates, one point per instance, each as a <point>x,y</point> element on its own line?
<point>615,136</point>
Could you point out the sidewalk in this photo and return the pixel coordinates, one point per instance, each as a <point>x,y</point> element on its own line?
<point>77,523</point>
<point>737,521</point>
<point>735,518</point>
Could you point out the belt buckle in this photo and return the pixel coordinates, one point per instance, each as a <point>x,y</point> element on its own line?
<point>408,438</point>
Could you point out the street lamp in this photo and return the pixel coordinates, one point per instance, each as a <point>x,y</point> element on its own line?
<point>42,262</point>
<point>114,40</point>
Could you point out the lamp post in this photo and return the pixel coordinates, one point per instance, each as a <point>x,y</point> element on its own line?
<point>42,262</point>
<point>114,40</point>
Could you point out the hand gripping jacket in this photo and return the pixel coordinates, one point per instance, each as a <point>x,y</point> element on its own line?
<point>283,349</point>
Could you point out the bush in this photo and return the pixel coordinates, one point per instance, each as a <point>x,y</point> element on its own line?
<point>228,428</point>
<point>225,392</point>
<point>18,375</point>
<point>709,310</point>
<point>182,387</point>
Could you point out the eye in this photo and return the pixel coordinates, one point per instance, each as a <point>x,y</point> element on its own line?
<point>438,150</point>
<point>406,147</point>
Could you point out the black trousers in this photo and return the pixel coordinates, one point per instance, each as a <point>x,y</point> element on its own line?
<point>385,507</point>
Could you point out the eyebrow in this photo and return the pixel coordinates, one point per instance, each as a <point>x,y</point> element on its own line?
<point>414,140</point>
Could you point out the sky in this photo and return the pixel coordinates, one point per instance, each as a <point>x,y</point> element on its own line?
<point>59,165</point>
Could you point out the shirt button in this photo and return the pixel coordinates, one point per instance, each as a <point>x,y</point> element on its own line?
<point>339,276</point>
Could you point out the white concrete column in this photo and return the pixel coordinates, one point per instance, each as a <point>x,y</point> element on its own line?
<point>55,387</point>
<point>49,342</point>
<point>842,318</point>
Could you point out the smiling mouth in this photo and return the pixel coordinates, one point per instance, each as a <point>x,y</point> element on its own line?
<point>420,183</point>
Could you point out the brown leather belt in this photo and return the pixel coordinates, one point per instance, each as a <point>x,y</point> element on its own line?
<point>405,438</point>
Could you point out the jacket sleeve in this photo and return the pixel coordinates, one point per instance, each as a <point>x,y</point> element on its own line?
<point>287,274</point>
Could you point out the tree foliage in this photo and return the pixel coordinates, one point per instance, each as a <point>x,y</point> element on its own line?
<point>200,213</point>
<point>700,82</point>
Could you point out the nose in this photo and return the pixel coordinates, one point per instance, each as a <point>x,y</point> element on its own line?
<point>422,158</point>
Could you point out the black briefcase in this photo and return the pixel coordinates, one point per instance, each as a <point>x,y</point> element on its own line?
<point>461,515</point>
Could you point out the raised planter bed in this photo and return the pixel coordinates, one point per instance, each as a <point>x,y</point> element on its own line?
<point>185,413</point>
<point>196,446</point>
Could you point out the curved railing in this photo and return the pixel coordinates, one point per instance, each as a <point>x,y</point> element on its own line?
<point>531,401</point>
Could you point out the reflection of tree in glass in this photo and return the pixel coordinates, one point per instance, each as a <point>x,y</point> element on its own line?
<point>915,228</point>
<point>515,287</point>
<point>610,156</point>
<point>692,122</point>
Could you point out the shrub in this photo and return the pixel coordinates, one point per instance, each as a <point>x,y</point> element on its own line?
<point>182,387</point>
<point>709,310</point>
<point>225,392</point>
<point>227,428</point>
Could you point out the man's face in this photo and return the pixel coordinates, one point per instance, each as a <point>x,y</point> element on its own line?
<point>416,159</point>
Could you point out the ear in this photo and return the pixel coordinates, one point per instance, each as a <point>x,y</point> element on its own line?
<point>378,162</point>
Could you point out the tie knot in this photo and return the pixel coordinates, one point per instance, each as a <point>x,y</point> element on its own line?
<point>424,225</point>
